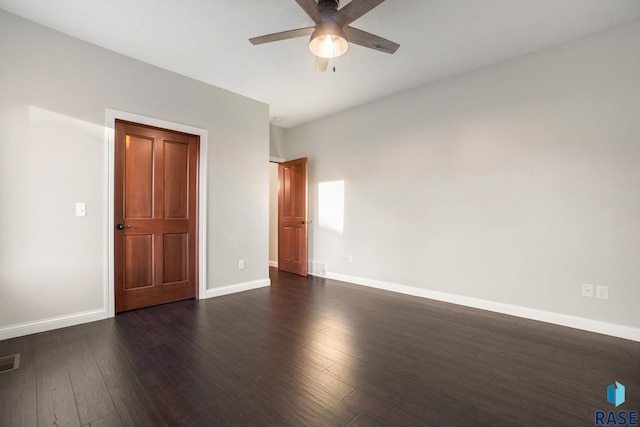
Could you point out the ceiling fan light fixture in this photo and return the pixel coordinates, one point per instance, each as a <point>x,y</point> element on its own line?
<point>328,42</point>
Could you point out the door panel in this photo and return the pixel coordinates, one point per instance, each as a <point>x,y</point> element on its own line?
<point>289,240</point>
<point>138,177</point>
<point>292,216</point>
<point>175,180</point>
<point>175,256</point>
<point>156,203</point>
<point>139,261</point>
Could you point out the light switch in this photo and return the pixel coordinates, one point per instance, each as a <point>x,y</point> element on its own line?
<point>81,209</point>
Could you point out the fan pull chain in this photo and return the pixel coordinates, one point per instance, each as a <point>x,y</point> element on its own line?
<point>334,57</point>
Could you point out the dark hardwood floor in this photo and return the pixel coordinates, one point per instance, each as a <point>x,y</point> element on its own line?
<point>314,352</point>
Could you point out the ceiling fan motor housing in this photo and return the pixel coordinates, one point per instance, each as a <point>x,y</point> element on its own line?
<point>329,12</point>
<point>329,4</point>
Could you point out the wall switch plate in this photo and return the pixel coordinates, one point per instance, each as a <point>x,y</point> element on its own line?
<point>81,209</point>
<point>587,290</point>
<point>350,259</point>
<point>602,292</point>
<point>241,264</point>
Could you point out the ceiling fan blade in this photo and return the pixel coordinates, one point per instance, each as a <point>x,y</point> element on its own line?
<point>321,64</point>
<point>284,35</point>
<point>355,10</point>
<point>311,8</point>
<point>369,40</point>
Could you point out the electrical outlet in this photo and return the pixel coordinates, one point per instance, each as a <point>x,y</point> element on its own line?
<point>241,264</point>
<point>350,259</point>
<point>602,292</point>
<point>587,290</point>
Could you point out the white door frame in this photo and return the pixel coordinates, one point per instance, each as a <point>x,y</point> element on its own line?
<point>110,119</point>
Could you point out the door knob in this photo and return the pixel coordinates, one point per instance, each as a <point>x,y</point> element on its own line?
<point>122,226</point>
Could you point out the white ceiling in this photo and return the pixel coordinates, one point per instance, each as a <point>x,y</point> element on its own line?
<point>208,41</point>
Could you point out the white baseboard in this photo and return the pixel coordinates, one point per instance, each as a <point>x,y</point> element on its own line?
<point>575,322</point>
<point>273,264</point>
<point>590,325</point>
<point>239,287</point>
<point>44,325</point>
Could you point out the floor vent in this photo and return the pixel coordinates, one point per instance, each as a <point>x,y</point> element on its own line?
<point>9,363</point>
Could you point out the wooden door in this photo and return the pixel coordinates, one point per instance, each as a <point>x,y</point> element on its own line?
<point>292,216</point>
<point>155,215</point>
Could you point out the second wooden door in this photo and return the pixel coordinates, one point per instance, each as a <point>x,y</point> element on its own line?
<point>292,216</point>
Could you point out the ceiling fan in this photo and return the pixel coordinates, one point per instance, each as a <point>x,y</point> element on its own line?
<point>331,35</point>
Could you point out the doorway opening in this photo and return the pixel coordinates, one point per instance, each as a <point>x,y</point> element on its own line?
<point>291,238</point>
<point>273,213</point>
<point>110,224</point>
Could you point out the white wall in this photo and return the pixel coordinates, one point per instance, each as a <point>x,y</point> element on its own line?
<point>54,93</point>
<point>513,184</point>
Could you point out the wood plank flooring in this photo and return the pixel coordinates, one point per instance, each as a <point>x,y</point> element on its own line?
<point>314,352</point>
